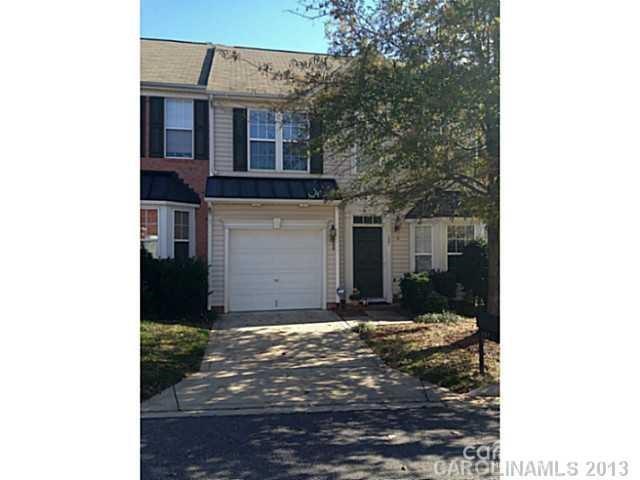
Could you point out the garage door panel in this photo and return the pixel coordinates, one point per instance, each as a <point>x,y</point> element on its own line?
<point>252,302</point>
<point>275,269</point>
<point>291,303</point>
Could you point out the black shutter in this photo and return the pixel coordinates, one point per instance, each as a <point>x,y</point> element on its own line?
<point>315,133</point>
<point>240,139</point>
<point>156,127</point>
<point>201,129</point>
<point>143,119</point>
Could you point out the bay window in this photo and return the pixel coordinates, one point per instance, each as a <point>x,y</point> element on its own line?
<point>423,248</point>
<point>149,230</point>
<point>278,141</point>
<point>178,128</point>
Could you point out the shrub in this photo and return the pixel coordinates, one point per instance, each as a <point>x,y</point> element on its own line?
<point>463,308</point>
<point>444,283</point>
<point>444,317</point>
<point>362,328</point>
<point>435,303</point>
<point>472,270</point>
<point>415,288</point>
<point>173,290</point>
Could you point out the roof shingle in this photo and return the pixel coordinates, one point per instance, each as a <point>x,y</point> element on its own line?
<point>172,62</point>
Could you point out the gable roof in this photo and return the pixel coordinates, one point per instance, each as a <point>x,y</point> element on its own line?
<point>242,75</point>
<point>217,68</point>
<point>165,186</point>
<point>174,62</point>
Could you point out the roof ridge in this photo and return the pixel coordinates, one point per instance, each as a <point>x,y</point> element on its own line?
<point>262,49</point>
<point>245,47</point>
<point>175,41</point>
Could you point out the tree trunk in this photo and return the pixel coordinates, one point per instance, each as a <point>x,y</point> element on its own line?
<point>493,252</point>
<point>493,224</point>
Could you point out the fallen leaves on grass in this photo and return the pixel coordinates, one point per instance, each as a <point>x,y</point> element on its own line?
<point>442,353</point>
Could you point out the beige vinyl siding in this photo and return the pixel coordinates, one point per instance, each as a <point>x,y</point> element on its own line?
<point>244,212</point>
<point>399,255</point>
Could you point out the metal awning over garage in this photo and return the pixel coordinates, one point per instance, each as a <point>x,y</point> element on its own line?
<point>220,187</point>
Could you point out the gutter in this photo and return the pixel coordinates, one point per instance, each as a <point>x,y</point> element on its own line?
<point>174,86</point>
<point>247,95</point>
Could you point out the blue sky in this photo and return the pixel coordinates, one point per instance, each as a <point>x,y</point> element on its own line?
<point>254,23</point>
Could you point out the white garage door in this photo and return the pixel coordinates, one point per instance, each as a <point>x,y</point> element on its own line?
<point>275,269</point>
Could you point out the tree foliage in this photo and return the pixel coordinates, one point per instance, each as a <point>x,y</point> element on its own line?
<point>415,86</point>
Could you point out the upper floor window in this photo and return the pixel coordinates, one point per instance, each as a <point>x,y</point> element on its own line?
<point>458,237</point>
<point>262,140</point>
<point>149,230</point>
<point>295,134</point>
<point>181,234</point>
<point>178,127</point>
<point>278,141</point>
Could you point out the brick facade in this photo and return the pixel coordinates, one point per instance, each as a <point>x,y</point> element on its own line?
<point>194,173</point>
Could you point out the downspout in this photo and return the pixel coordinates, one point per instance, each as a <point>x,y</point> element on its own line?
<point>212,150</point>
<point>209,207</point>
<point>209,254</point>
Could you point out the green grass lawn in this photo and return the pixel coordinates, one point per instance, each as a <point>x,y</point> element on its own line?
<point>168,353</point>
<point>442,353</point>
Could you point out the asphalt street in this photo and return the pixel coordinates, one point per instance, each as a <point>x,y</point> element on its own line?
<point>420,443</point>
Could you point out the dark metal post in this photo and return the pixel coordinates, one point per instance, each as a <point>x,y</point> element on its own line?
<point>481,351</point>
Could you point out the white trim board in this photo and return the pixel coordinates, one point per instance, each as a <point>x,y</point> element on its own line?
<point>387,238</point>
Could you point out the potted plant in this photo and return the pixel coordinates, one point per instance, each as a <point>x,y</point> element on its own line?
<point>355,297</point>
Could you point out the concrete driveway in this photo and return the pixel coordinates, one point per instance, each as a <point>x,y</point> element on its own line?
<point>288,362</point>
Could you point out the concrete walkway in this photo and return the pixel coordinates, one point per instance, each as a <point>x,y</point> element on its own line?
<point>282,362</point>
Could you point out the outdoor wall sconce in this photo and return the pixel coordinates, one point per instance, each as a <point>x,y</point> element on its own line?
<point>332,236</point>
<point>397,224</point>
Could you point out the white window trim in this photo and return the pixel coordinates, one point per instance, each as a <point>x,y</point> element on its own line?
<point>174,128</point>
<point>378,224</point>
<point>189,240</point>
<point>279,144</point>
<point>281,124</point>
<point>412,245</point>
<point>166,227</point>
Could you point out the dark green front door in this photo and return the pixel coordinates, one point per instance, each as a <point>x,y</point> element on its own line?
<point>367,261</point>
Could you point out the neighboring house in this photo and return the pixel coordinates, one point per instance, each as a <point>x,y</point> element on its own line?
<point>244,194</point>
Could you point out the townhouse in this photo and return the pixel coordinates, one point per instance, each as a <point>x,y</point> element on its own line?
<point>226,176</point>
